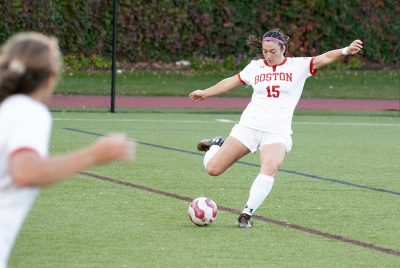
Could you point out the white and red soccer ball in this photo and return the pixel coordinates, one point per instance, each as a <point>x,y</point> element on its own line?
<point>202,211</point>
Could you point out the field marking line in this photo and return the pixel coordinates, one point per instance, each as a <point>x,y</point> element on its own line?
<point>222,120</point>
<point>257,165</point>
<point>284,224</point>
<point>348,124</point>
<point>135,120</point>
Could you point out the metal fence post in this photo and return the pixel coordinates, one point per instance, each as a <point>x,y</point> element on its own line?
<point>114,49</point>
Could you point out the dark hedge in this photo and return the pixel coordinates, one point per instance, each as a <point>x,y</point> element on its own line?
<point>171,30</point>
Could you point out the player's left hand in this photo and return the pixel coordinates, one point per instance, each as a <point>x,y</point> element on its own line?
<point>197,95</point>
<point>355,47</point>
<point>114,147</point>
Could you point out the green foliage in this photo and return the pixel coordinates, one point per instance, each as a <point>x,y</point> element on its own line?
<point>81,62</point>
<point>164,30</point>
<point>205,64</point>
<point>100,62</point>
<point>351,63</point>
<point>72,62</point>
<point>229,63</point>
<point>337,65</point>
<point>76,62</point>
<point>354,63</point>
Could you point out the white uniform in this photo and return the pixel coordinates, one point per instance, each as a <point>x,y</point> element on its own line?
<point>276,92</point>
<point>25,124</point>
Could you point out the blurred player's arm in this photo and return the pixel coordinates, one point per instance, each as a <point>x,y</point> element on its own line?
<point>333,55</point>
<point>223,86</point>
<point>29,169</point>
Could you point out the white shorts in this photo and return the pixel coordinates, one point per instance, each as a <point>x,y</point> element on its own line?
<point>254,139</point>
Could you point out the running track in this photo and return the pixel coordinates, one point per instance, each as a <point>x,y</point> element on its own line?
<point>74,101</point>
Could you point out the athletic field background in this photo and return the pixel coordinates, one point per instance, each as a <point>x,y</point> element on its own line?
<point>88,91</point>
<point>335,202</point>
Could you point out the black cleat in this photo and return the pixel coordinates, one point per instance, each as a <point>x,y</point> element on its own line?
<point>205,145</point>
<point>244,221</point>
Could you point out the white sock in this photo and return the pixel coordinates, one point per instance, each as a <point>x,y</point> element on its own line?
<point>210,153</point>
<point>259,190</point>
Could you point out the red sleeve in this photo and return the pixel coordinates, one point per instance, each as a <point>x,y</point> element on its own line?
<point>23,149</point>
<point>241,80</point>
<point>312,71</point>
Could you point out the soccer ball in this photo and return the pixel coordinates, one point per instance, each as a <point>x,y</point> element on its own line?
<point>202,211</point>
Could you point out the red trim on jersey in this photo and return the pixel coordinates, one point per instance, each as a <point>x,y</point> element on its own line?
<point>241,80</point>
<point>312,71</point>
<point>23,149</point>
<point>274,67</point>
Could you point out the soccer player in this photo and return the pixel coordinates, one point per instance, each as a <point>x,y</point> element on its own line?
<point>265,124</point>
<point>30,66</point>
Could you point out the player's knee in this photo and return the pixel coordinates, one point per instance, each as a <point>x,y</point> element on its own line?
<point>270,168</point>
<point>213,170</point>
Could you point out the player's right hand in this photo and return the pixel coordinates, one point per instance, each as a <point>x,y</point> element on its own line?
<point>115,147</point>
<point>197,95</point>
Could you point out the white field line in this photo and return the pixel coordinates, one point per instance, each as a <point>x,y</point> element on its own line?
<point>226,121</point>
<point>348,124</point>
<point>134,120</point>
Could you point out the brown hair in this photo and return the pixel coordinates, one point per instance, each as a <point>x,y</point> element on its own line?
<point>256,44</point>
<point>27,61</point>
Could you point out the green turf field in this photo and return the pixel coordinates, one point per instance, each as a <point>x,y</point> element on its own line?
<point>364,84</point>
<point>342,178</point>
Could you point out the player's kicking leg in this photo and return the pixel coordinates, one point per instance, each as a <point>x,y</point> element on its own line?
<point>221,154</point>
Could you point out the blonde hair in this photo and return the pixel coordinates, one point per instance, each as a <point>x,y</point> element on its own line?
<point>27,61</point>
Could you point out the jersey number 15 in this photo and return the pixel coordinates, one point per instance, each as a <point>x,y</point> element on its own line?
<point>273,92</point>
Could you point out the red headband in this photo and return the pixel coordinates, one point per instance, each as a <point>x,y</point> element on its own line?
<point>268,38</point>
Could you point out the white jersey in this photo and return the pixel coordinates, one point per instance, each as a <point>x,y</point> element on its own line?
<point>276,92</point>
<point>25,124</point>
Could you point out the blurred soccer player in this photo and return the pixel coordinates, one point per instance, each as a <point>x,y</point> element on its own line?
<point>265,124</point>
<point>30,66</point>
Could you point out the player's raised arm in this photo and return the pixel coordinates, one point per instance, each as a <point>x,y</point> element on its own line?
<point>333,55</point>
<point>222,86</point>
